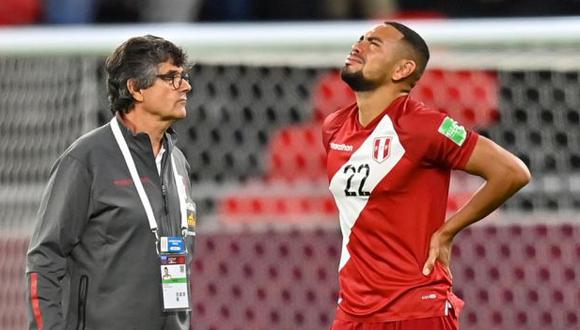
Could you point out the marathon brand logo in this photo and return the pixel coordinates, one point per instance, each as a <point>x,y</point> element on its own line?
<point>129,182</point>
<point>453,131</point>
<point>429,297</point>
<point>340,147</point>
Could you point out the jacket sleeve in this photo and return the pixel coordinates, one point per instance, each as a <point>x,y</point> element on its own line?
<point>61,219</point>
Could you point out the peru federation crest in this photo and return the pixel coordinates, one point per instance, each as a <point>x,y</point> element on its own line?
<point>381,148</point>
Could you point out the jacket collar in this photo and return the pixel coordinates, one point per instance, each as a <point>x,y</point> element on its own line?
<point>141,140</point>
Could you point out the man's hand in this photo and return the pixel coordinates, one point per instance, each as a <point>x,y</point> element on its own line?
<point>439,249</point>
<point>504,175</point>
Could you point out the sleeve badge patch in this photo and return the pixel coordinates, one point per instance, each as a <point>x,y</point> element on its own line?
<point>453,131</point>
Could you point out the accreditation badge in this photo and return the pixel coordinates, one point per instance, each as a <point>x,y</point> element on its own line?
<point>174,281</point>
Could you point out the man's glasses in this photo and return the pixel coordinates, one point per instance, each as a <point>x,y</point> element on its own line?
<point>175,78</point>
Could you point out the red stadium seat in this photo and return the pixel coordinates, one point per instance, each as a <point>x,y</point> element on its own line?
<point>330,94</point>
<point>296,152</point>
<point>287,279</point>
<point>267,202</point>
<point>470,97</point>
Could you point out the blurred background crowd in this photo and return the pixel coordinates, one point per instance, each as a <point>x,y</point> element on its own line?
<point>16,12</point>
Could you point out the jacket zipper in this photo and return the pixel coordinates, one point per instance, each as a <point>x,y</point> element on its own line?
<point>82,309</point>
<point>164,193</point>
<point>164,186</point>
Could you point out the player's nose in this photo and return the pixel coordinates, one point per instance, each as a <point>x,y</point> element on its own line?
<point>356,47</point>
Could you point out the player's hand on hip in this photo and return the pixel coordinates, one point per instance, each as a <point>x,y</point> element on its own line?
<point>439,250</point>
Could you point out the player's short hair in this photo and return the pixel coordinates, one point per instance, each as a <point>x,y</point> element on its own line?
<point>137,58</point>
<point>417,45</point>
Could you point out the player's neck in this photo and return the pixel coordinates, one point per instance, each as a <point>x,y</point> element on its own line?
<point>143,122</point>
<point>371,104</point>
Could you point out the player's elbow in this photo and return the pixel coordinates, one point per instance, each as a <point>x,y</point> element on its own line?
<point>518,173</point>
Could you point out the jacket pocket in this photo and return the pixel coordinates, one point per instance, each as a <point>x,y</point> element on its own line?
<point>82,307</point>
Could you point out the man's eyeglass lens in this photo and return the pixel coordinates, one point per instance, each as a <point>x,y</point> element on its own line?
<point>176,79</point>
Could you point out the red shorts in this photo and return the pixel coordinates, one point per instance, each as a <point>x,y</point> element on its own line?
<point>448,322</point>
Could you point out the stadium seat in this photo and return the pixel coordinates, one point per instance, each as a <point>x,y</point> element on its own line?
<point>265,202</point>
<point>296,152</point>
<point>470,97</point>
<point>511,276</point>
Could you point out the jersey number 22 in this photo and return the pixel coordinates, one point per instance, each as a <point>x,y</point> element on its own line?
<point>352,171</point>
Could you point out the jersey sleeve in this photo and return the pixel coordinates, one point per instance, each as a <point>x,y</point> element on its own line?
<point>449,144</point>
<point>332,123</point>
<point>62,217</point>
<point>327,132</point>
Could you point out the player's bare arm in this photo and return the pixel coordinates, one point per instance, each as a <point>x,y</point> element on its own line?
<point>504,175</point>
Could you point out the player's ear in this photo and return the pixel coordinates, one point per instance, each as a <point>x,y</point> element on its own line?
<point>136,92</point>
<point>403,69</point>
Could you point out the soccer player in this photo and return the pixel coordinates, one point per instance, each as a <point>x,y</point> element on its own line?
<point>116,200</point>
<point>389,159</point>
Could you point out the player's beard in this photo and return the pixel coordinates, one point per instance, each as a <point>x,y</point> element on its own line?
<point>357,81</point>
